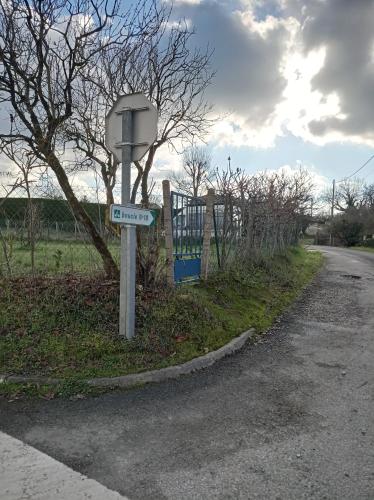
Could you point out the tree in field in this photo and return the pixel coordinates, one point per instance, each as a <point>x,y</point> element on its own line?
<point>164,66</point>
<point>196,174</point>
<point>100,84</point>
<point>45,48</point>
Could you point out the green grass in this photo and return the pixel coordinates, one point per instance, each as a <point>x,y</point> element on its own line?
<point>67,326</point>
<point>61,256</point>
<point>54,257</point>
<point>75,389</point>
<point>307,240</point>
<point>363,249</point>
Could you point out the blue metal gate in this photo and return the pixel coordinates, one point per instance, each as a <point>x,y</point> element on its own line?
<point>188,215</point>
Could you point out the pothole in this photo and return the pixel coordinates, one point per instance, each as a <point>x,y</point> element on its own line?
<point>351,276</point>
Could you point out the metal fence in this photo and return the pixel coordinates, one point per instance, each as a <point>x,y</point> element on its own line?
<point>188,219</point>
<point>188,216</point>
<point>42,235</point>
<point>51,219</point>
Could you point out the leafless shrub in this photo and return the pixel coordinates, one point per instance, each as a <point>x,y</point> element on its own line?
<point>260,214</point>
<point>7,188</point>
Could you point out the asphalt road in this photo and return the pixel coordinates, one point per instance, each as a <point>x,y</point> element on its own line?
<point>291,417</point>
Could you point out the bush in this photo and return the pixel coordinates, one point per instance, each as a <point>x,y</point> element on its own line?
<point>369,243</point>
<point>348,229</point>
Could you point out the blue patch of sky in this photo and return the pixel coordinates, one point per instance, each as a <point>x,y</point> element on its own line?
<point>334,160</point>
<point>267,8</point>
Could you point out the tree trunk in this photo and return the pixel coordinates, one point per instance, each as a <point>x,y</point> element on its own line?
<point>147,168</point>
<point>79,212</point>
<point>113,229</point>
<point>136,185</point>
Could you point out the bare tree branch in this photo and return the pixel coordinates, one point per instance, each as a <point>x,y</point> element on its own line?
<point>46,48</point>
<point>197,172</point>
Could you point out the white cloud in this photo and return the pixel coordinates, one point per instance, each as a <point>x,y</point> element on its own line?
<point>289,67</point>
<point>187,2</point>
<point>302,104</point>
<point>283,66</point>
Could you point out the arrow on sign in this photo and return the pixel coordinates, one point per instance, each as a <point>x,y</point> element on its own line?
<point>124,214</point>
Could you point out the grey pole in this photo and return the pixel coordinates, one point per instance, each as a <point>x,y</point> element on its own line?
<point>332,210</point>
<point>128,236</point>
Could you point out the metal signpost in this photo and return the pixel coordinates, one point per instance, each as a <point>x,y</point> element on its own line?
<point>130,129</point>
<point>128,214</point>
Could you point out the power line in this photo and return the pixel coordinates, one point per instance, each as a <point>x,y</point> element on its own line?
<point>358,170</point>
<point>368,174</point>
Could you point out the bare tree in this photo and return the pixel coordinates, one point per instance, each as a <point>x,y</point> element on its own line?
<point>348,194</point>
<point>229,211</point>
<point>163,65</point>
<point>174,76</point>
<point>100,84</point>
<point>368,195</point>
<point>196,173</point>
<point>45,46</point>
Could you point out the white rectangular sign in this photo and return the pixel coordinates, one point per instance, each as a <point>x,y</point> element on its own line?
<point>124,214</point>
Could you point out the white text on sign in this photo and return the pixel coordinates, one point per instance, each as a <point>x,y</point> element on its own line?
<point>121,214</point>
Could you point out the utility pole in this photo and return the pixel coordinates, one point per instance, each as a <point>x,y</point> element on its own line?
<point>332,210</point>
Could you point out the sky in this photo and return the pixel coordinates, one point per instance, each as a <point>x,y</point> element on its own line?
<point>294,81</point>
<point>294,86</point>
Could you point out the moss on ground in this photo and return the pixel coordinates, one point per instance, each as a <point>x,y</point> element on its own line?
<point>67,326</point>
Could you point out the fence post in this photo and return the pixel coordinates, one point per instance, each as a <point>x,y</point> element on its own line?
<point>168,232</point>
<point>208,226</point>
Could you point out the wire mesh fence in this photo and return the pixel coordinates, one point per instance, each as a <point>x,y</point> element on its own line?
<point>253,217</point>
<point>42,235</point>
<point>51,219</point>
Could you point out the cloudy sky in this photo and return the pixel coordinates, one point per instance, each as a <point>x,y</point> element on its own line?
<point>297,79</point>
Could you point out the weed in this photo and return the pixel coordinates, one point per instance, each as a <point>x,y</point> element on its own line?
<point>57,255</point>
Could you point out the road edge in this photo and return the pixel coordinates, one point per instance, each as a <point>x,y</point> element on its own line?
<point>152,376</point>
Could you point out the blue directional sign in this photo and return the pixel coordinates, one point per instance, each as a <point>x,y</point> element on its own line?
<point>127,214</point>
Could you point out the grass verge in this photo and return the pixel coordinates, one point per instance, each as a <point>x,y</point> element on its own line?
<point>67,326</point>
<point>363,249</point>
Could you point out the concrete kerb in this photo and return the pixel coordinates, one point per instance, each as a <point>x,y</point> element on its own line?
<point>135,379</point>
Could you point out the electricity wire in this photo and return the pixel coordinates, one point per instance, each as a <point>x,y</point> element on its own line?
<point>358,170</point>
